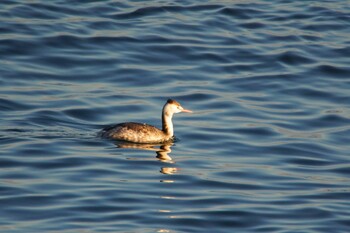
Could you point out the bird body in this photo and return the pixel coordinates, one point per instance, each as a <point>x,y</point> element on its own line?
<point>144,133</point>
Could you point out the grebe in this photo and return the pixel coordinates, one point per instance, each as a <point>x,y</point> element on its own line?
<point>143,133</point>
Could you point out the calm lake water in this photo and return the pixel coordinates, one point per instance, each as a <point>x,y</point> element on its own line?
<point>266,149</point>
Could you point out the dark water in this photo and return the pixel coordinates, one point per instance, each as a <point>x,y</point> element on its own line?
<point>267,149</point>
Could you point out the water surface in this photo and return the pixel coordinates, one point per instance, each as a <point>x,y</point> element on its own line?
<point>266,149</point>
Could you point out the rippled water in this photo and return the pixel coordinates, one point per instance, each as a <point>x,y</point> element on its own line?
<point>267,149</point>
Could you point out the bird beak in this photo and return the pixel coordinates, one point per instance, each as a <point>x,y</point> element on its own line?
<point>186,110</point>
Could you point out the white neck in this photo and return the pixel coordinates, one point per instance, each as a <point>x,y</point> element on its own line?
<point>167,123</point>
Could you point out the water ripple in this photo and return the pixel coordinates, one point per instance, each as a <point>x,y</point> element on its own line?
<point>266,149</point>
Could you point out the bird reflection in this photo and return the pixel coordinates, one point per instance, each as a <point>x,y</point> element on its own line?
<point>162,153</point>
<point>162,150</point>
<point>169,170</point>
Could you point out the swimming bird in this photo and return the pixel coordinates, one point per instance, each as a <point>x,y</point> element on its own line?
<point>144,133</point>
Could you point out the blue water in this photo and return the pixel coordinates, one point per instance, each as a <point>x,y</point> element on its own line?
<point>266,149</point>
